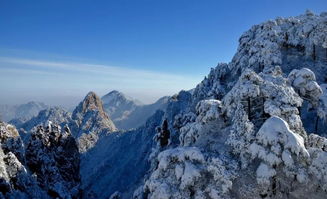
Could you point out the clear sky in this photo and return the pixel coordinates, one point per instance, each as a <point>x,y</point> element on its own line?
<point>57,51</point>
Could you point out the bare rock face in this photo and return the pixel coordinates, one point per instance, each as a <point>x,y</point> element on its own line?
<point>53,156</point>
<point>90,117</point>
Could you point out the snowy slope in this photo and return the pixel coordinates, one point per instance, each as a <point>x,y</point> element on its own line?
<point>119,161</point>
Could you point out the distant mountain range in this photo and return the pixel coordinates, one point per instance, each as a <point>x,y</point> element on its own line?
<point>21,112</point>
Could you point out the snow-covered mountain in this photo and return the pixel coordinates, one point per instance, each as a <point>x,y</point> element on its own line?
<point>246,130</point>
<point>21,113</point>
<point>119,106</point>
<point>253,128</point>
<point>245,135</point>
<point>56,115</point>
<point>128,113</point>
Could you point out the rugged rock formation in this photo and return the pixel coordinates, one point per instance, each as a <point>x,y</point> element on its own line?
<point>15,179</point>
<point>52,155</point>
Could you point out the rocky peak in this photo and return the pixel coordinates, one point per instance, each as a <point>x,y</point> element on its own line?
<point>91,102</point>
<point>90,117</point>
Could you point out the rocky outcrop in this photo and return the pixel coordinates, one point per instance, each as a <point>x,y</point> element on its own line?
<point>15,179</point>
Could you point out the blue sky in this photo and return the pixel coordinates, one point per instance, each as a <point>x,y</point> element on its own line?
<point>56,51</point>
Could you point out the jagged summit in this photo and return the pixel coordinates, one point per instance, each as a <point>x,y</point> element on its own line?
<point>91,102</point>
<point>90,116</point>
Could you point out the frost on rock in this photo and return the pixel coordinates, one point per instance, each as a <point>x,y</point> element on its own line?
<point>214,86</point>
<point>304,82</point>
<point>207,111</point>
<point>253,100</point>
<point>184,172</point>
<point>292,43</point>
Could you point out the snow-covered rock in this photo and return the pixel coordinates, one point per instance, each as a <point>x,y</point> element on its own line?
<point>304,81</point>
<point>52,155</point>
<point>15,179</point>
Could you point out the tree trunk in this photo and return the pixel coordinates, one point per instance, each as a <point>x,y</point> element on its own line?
<point>249,108</point>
